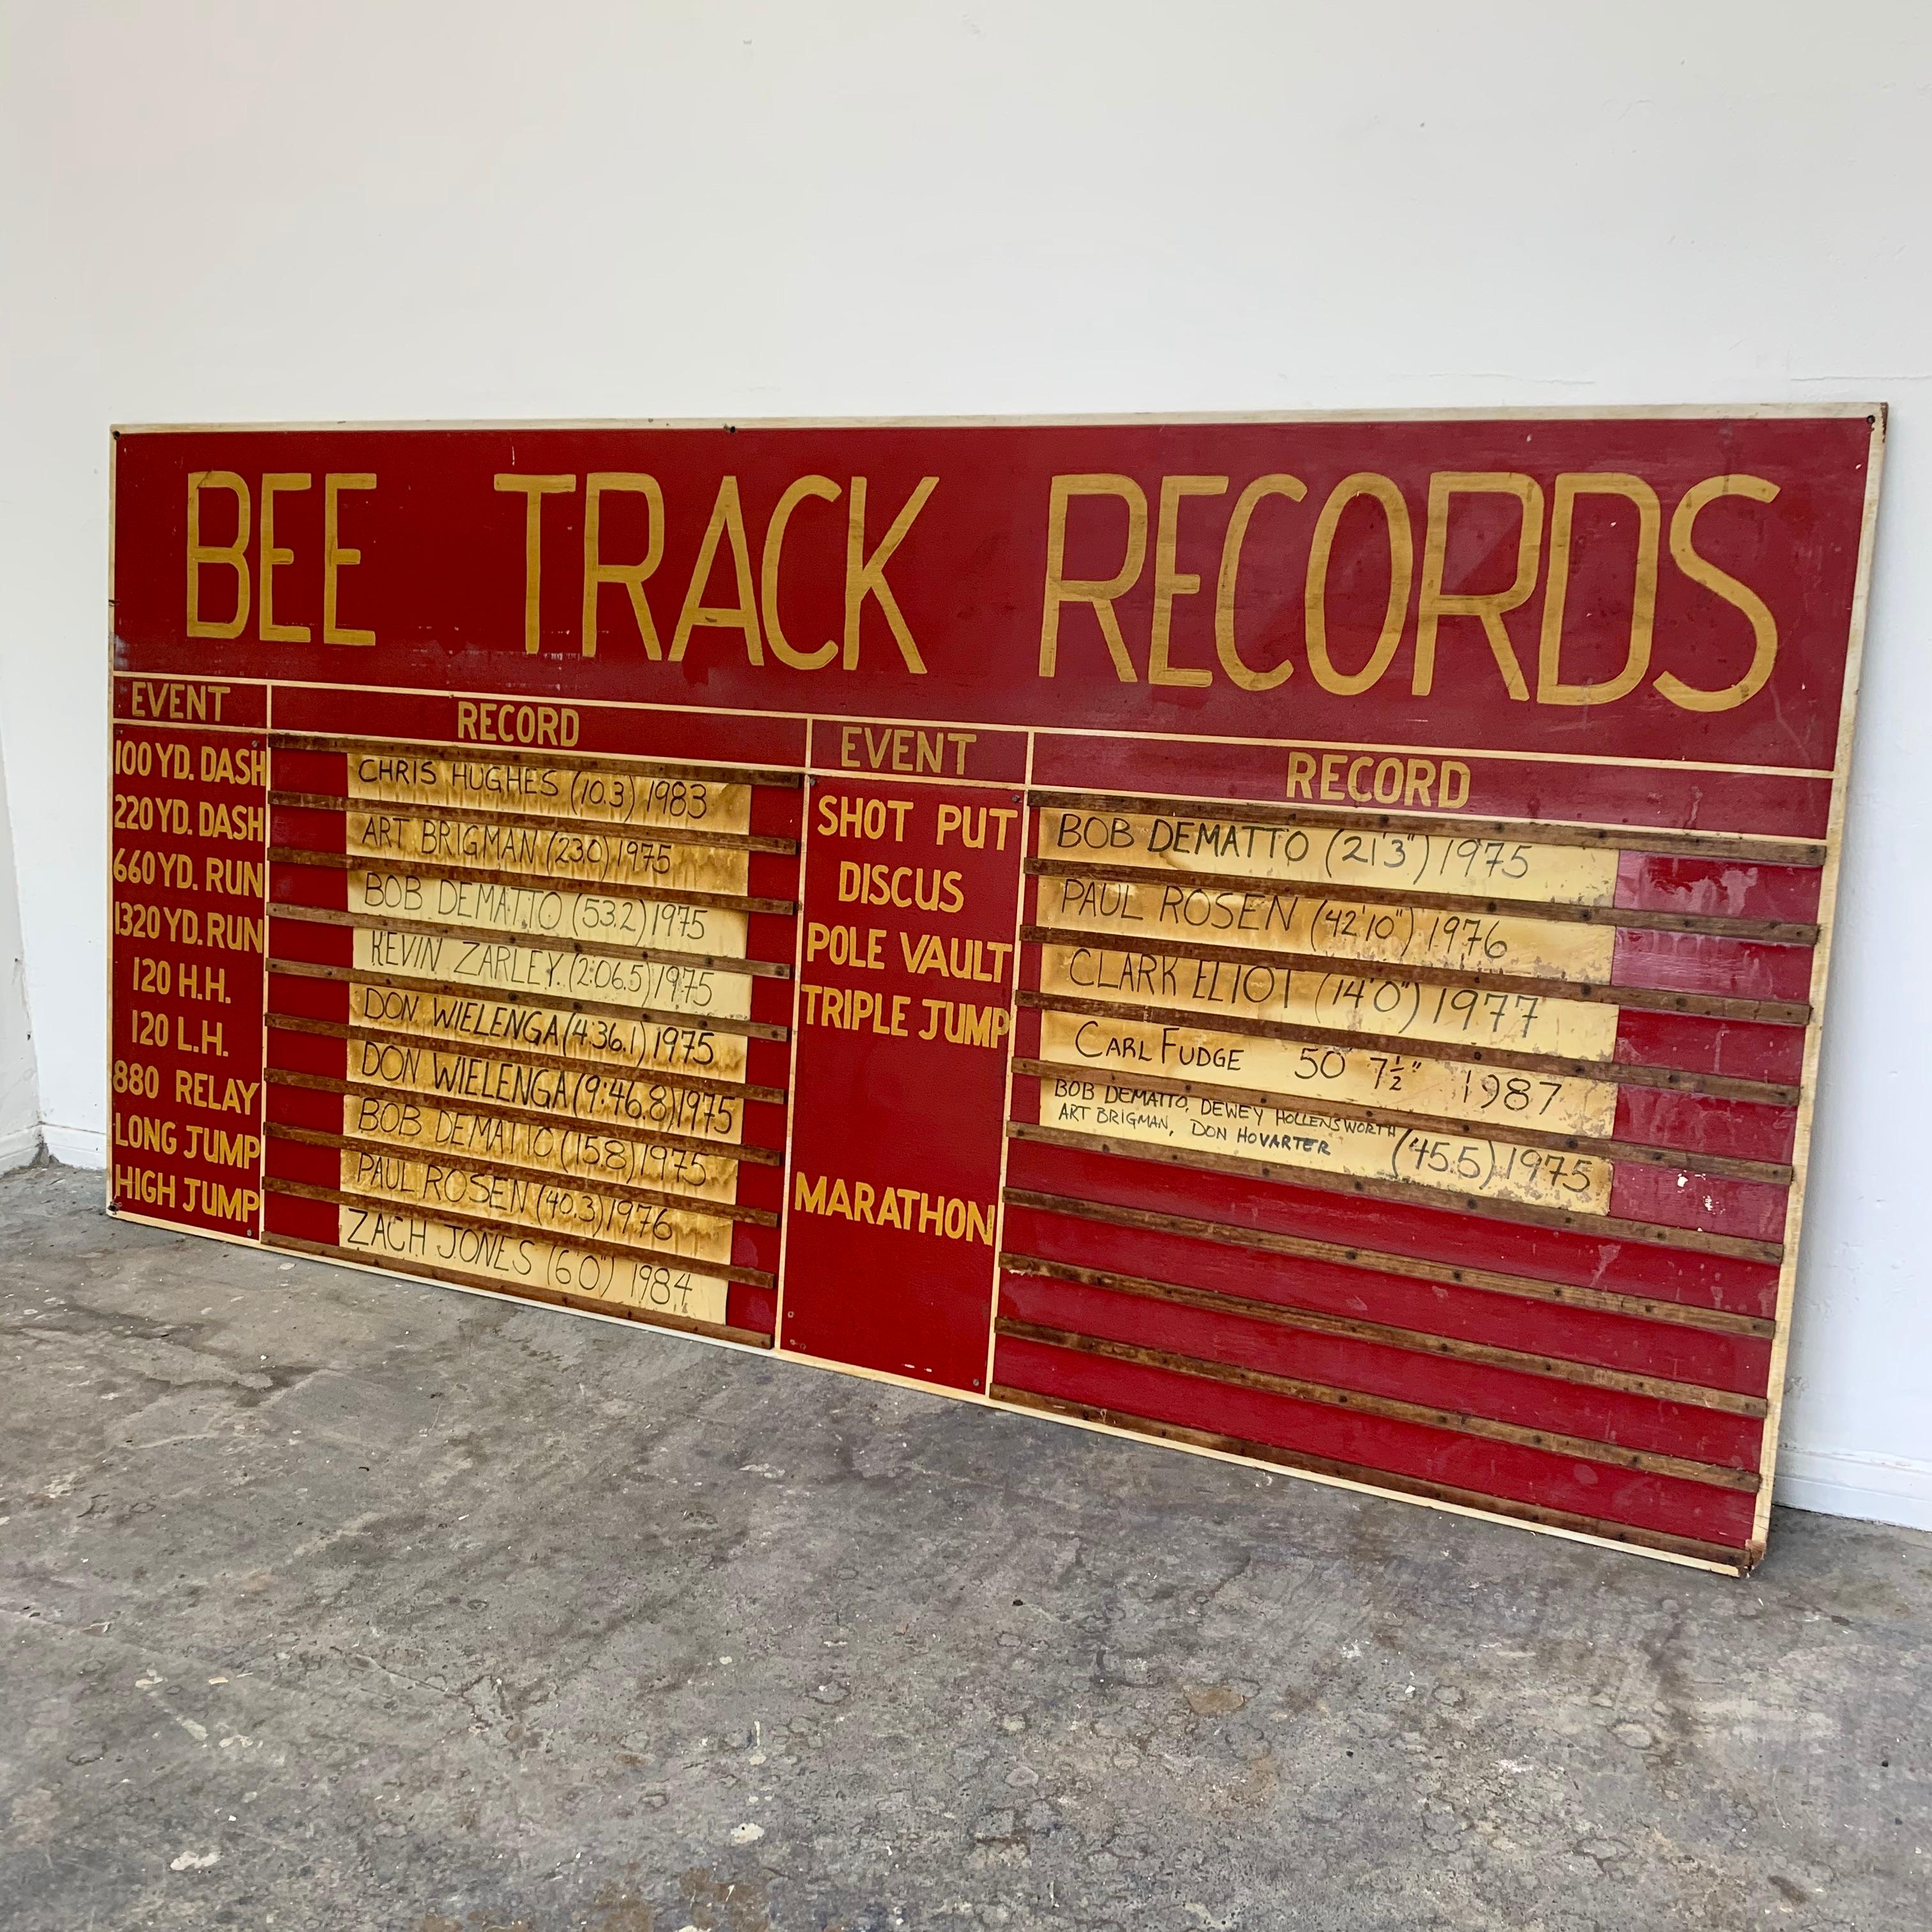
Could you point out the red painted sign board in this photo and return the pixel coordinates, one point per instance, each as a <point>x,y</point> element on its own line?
<point>1301,939</point>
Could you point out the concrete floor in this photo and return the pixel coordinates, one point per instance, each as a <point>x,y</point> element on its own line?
<point>328,1601</point>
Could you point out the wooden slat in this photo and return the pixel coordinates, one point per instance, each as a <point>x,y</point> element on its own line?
<point>1638,999</point>
<point>1618,1072</point>
<point>1358,1475</point>
<point>602,1009</point>
<point>1744,849</point>
<point>1730,1167</point>
<point>743,1150</point>
<point>538,942</point>
<point>525,1056</point>
<point>549,1297</point>
<point>506,754</point>
<point>1412,1194</point>
<point>1391,1408</point>
<point>528,882</point>
<point>1488,1281</point>
<point>649,1197</point>
<point>537,821</point>
<point>1316,1321</point>
<point>484,1224</point>
<point>1715,925</point>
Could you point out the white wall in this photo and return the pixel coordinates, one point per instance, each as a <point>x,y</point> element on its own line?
<point>483,209</point>
<point>19,1095</point>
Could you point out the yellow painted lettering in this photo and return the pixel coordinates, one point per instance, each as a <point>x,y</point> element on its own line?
<point>1402,568</point>
<point>1764,626</point>
<point>336,556</point>
<point>865,576</point>
<point>1433,603</point>
<point>273,484</point>
<point>234,555</point>
<point>534,489</point>
<point>1245,504</point>
<point>1169,583</point>
<point>782,648</point>
<point>597,572</point>
<point>1550,688</point>
<point>1099,592</point>
<point>728,521</point>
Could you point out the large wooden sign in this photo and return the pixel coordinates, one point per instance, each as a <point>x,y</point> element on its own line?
<point>1304,939</point>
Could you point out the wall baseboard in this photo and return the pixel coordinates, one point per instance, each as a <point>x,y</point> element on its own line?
<point>20,1146</point>
<point>1843,1482</point>
<point>77,1147</point>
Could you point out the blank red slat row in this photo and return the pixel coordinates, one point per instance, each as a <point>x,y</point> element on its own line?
<point>305,828</point>
<point>1667,1504</point>
<point>295,1218</point>
<point>325,774</point>
<point>303,1161</point>
<point>304,1107</point>
<point>1420,1230</point>
<point>1738,1049</point>
<point>312,944</point>
<point>1669,1197</point>
<point>1700,962</point>
<point>1353,1365</point>
<point>323,885</point>
<point>308,999</point>
<point>1740,1363</point>
<point>1743,1129</point>
<point>1724,887</point>
<point>326,1054</point>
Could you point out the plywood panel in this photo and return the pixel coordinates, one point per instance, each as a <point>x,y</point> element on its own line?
<point>1139,922</point>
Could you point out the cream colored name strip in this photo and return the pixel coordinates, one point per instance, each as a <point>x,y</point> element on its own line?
<point>547,1205</point>
<point>1358,1076</point>
<point>547,973</point>
<point>656,1045</point>
<point>1369,1149</point>
<point>1344,1002</point>
<point>1287,922</point>
<point>640,798</point>
<point>430,1127</point>
<point>520,1260</point>
<point>1338,855</point>
<point>613,858</point>
<point>580,1094</point>
<point>378,891</point>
